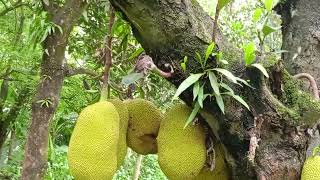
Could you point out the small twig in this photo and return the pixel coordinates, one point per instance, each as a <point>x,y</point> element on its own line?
<point>312,81</point>
<point>108,57</point>
<point>137,167</point>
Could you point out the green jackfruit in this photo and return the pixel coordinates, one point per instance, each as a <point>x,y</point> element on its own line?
<point>93,145</point>
<point>124,117</point>
<point>143,127</point>
<point>220,172</point>
<point>181,152</point>
<point>311,168</point>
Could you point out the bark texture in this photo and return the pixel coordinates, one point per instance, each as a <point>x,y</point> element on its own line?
<point>301,36</point>
<point>171,29</point>
<point>48,90</point>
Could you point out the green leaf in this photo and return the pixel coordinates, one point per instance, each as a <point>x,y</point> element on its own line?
<point>261,68</point>
<point>187,83</point>
<point>196,89</point>
<point>136,53</point>
<point>199,58</point>
<point>257,14</point>
<point>131,78</point>
<point>249,54</point>
<point>243,82</point>
<point>268,30</point>
<point>183,66</point>
<point>222,3</point>
<point>239,99</point>
<point>268,4</point>
<point>220,102</point>
<point>227,73</point>
<point>214,83</point>
<point>193,114</point>
<point>200,96</point>
<point>209,51</point>
<point>227,87</point>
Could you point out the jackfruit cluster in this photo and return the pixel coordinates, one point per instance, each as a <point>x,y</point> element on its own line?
<point>143,127</point>
<point>103,131</point>
<point>311,168</point>
<point>181,152</point>
<point>93,145</point>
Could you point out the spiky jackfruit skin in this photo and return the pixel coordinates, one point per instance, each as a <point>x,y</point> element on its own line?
<point>124,117</point>
<point>311,168</point>
<point>93,145</point>
<point>143,127</point>
<point>221,170</point>
<point>181,152</point>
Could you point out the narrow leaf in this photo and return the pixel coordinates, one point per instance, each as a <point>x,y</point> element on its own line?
<point>227,73</point>
<point>268,30</point>
<point>193,114</point>
<point>196,88</point>
<point>187,83</point>
<point>214,83</point>
<point>209,51</point>
<point>222,3</point>
<point>227,87</point>
<point>268,4</point>
<point>136,53</point>
<point>262,69</point>
<point>239,99</point>
<point>200,96</point>
<point>220,102</point>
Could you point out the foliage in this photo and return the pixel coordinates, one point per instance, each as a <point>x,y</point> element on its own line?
<point>216,76</point>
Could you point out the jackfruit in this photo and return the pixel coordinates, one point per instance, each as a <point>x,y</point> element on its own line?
<point>93,145</point>
<point>124,117</point>
<point>221,170</point>
<point>311,168</point>
<point>143,127</point>
<point>181,152</point>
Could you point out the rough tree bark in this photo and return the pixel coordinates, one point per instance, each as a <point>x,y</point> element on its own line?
<point>52,75</point>
<point>301,37</point>
<point>171,29</point>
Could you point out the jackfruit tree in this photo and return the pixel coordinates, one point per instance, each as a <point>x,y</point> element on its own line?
<point>274,132</point>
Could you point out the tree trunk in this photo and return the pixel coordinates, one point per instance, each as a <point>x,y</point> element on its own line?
<point>171,29</point>
<point>301,37</point>
<point>47,95</point>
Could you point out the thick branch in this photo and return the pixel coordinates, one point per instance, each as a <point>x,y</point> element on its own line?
<point>312,81</point>
<point>76,71</point>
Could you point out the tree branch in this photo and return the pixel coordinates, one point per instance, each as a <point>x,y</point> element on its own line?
<point>312,81</point>
<point>13,7</point>
<point>76,71</point>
